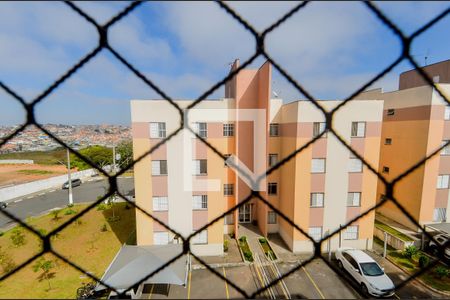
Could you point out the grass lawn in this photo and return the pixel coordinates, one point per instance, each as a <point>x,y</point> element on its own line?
<point>412,266</point>
<point>245,248</point>
<point>267,250</point>
<point>35,172</point>
<point>84,243</point>
<point>40,157</point>
<point>393,231</point>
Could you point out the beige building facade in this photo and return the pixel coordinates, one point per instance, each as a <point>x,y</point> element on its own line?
<point>321,188</point>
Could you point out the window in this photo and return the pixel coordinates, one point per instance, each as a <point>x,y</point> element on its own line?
<point>442,182</point>
<point>318,165</point>
<point>273,159</point>
<point>200,202</point>
<point>355,165</point>
<point>160,238</point>
<point>274,129</point>
<point>386,170</point>
<point>157,130</point>
<point>159,167</point>
<point>447,113</point>
<point>388,141</point>
<point>201,129</point>
<point>160,204</point>
<point>446,149</point>
<point>225,161</point>
<point>199,167</point>
<point>317,199</point>
<point>228,189</point>
<point>351,232</point>
<point>315,233</point>
<point>228,129</point>
<point>439,215</point>
<point>358,129</point>
<point>200,238</point>
<point>391,112</point>
<point>354,199</point>
<point>318,128</point>
<point>271,217</point>
<point>272,188</point>
<point>351,260</point>
<point>229,219</point>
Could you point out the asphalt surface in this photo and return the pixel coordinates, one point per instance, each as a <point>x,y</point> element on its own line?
<point>37,204</point>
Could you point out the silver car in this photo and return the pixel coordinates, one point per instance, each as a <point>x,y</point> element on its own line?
<point>366,271</point>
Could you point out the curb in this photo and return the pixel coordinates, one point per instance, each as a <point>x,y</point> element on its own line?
<point>220,265</point>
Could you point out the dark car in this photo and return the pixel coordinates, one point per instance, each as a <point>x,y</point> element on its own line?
<point>3,205</point>
<point>75,182</point>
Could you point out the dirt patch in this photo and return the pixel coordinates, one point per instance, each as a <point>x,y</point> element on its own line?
<point>17,174</point>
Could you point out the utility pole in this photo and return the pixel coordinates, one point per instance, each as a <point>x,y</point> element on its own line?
<point>69,179</point>
<point>114,159</point>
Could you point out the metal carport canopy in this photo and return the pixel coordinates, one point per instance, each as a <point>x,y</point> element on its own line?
<point>133,263</point>
<point>443,227</point>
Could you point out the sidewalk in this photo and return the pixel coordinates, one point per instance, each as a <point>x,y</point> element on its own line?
<point>253,235</point>
<point>232,258</point>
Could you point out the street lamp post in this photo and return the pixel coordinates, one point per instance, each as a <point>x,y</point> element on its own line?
<point>69,179</point>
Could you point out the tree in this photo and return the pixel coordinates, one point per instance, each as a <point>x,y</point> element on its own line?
<point>99,155</point>
<point>125,149</point>
<point>45,266</point>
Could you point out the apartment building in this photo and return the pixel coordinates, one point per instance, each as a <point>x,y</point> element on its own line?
<point>416,122</point>
<point>320,188</point>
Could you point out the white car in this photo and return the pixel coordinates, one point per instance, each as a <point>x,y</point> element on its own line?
<point>369,275</point>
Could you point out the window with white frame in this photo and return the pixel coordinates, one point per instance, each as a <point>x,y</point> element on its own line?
<point>358,129</point>
<point>317,199</point>
<point>315,232</point>
<point>273,159</point>
<point>318,165</point>
<point>447,113</point>
<point>274,129</point>
<point>200,238</point>
<point>228,189</point>
<point>355,165</point>
<point>157,130</point>
<point>272,188</point>
<point>442,182</point>
<point>446,149</point>
<point>228,129</point>
<point>351,232</point>
<point>160,204</point>
<point>159,167</point>
<point>271,217</point>
<point>200,202</point>
<point>229,219</point>
<point>354,199</point>
<point>201,128</point>
<point>318,128</point>
<point>440,214</point>
<point>199,167</point>
<point>160,238</point>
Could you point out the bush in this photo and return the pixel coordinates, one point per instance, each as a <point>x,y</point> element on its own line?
<point>55,214</point>
<point>225,246</point>
<point>1,233</point>
<point>6,261</point>
<point>17,237</point>
<point>232,235</point>
<point>70,212</point>
<point>248,255</point>
<point>104,228</point>
<point>441,272</point>
<point>423,261</point>
<point>410,251</point>
<point>102,206</point>
<point>42,232</point>
<point>243,239</point>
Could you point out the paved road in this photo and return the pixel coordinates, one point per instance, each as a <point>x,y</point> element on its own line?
<point>39,203</point>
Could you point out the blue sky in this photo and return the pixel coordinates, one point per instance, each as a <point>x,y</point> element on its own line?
<point>330,48</point>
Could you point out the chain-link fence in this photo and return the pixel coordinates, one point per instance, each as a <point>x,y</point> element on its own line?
<point>260,50</point>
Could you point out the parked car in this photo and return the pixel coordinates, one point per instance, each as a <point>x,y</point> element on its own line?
<point>3,205</point>
<point>441,239</point>
<point>75,182</point>
<point>366,271</point>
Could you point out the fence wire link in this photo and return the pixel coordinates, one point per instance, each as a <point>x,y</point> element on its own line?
<point>103,45</point>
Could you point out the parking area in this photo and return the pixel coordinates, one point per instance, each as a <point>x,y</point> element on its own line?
<point>316,281</point>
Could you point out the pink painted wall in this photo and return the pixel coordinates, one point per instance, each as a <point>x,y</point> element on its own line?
<point>199,218</point>
<point>162,216</point>
<point>159,186</point>
<point>447,130</point>
<point>140,130</point>
<point>215,130</point>
<point>441,198</point>
<point>318,183</point>
<point>200,148</point>
<point>319,148</point>
<point>444,164</point>
<point>373,129</point>
<point>316,216</point>
<point>352,212</point>
<point>357,144</point>
<point>159,153</point>
<point>305,129</point>
<point>355,182</point>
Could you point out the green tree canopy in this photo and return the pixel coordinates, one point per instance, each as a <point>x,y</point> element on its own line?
<point>125,149</point>
<point>100,155</point>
